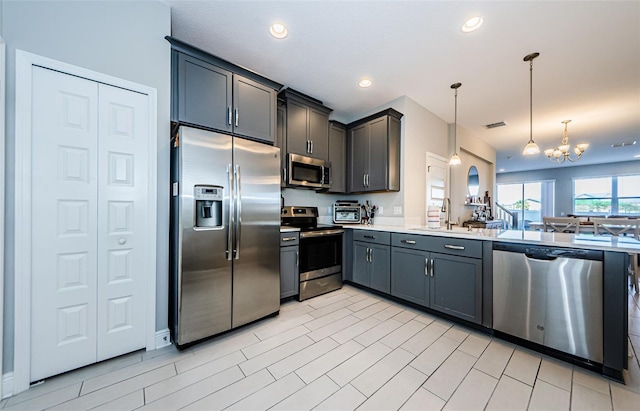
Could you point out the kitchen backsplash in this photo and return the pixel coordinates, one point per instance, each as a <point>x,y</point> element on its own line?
<point>389,202</point>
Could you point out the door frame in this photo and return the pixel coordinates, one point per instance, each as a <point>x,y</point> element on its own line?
<point>23,252</point>
<point>2,199</point>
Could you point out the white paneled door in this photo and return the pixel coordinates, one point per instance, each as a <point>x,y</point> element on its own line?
<point>89,196</point>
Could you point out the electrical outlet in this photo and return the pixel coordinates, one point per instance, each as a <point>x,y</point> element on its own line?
<point>397,210</point>
<point>562,213</point>
<point>380,210</point>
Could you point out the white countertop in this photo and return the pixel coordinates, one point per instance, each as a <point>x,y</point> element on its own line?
<point>583,241</point>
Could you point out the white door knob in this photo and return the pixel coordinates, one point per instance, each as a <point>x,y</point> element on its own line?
<point>122,241</point>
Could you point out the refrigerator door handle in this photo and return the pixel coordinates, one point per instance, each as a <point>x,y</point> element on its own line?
<point>238,225</point>
<point>230,219</point>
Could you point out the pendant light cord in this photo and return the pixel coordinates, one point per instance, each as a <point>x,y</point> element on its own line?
<point>531,100</point>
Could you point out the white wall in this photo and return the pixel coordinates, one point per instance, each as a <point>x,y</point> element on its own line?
<point>123,39</point>
<point>473,152</point>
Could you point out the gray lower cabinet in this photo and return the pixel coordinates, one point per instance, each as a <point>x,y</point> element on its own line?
<point>372,260</point>
<point>289,269</point>
<point>456,286</point>
<point>449,283</point>
<point>409,275</point>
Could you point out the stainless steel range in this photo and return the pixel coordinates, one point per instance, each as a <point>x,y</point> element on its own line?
<point>320,251</point>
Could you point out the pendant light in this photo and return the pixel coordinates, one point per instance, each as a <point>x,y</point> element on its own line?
<point>455,158</point>
<point>531,148</point>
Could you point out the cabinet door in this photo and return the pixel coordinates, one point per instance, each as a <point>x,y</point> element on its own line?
<point>338,158</point>
<point>359,155</point>
<point>319,134</point>
<point>289,273</point>
<point>380,274</point>
<point>361,263</point>
<point>281,140</point>
<point>409,279</point>
<point>378,154</point>
<point>297,130</point>
<point>456,286</point>
<point>254,109</point>
<point>204,94</point>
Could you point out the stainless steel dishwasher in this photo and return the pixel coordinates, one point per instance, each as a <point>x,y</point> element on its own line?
<point>550,296</point>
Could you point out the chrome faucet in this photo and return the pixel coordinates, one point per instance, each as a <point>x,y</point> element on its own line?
<point>446,208</point>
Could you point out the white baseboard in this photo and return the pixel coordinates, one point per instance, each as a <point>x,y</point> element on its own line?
<point>7,385</point>
<point>163,338</point>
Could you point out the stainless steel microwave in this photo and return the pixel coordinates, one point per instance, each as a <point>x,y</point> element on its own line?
<point>307,172</point>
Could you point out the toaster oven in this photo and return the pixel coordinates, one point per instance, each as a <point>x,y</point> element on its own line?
<point>346,212</point>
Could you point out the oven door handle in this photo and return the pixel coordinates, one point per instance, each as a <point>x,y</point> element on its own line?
<point>310,234</point>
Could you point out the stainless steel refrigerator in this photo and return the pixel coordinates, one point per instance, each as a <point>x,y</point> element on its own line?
<point>225,233</point>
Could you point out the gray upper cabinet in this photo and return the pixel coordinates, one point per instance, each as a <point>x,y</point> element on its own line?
<point>307,125</point>
<point>212,93</point>
<point>204,93</point>
<point>338,157</point>
<point>374,153</point>
<point>254,109</point>
<point>281,139</point>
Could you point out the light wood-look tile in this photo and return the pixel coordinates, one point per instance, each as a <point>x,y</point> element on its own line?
<point>341,351</point>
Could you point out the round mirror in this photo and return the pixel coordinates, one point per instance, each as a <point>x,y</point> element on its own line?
<point>473,181</point>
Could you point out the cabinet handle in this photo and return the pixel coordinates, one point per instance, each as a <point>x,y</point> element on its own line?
<point>237,116</point>
<point>426,267</point>
<point>288,238</point>
<point>297,259</point>
<point>284,174</point>
<point>364,180</point>
<point>454,247</point>
<point>433,264</point>
<point>367,180</point>
<point>309,146</point>
<point>408,241</point>
<point>229,119</point>
<point>373,237</point>
<point>371,255</point>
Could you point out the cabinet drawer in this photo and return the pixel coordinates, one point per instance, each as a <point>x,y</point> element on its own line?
<point>370,236</point>
<point>445,245</point>
<point>289,238</point>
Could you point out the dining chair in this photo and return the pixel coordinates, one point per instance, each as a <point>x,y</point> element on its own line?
<point>561,224</point>
<point>617,227</point>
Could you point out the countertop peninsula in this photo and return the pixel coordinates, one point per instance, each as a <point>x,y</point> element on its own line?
<point>581,241</point>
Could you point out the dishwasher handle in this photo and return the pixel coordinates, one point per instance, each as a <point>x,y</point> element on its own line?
<point>540,254</point>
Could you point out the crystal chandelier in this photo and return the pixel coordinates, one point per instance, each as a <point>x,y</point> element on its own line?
<point>562,153</point>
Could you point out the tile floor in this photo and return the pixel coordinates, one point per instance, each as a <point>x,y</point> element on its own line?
<point>342,351</point>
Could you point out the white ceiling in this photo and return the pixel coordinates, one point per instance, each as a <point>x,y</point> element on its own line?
<point>588,70</point>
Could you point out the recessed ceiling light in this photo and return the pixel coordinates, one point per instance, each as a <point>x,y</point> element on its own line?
<point>278,30</point>
<point>501,170</point>
<point>636,156</point>
<point>472,24</point>
<point>365,82</point>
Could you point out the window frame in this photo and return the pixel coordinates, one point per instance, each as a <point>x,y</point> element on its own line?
<point>615,199</point>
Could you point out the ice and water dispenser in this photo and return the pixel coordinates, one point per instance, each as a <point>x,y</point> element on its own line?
<point>208,200</point>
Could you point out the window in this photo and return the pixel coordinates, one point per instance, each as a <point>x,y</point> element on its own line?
<point>617,195</point>
<point>526,202</point>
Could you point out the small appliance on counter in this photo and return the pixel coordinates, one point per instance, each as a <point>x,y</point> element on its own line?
<point>320,260</point>
<point>347,212</point>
